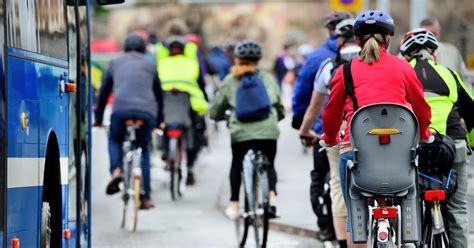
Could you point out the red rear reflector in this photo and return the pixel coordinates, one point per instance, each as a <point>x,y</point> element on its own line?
<point>173,133</point>
<point>383,236</point>
<point>385,213</point>
<point>435,195</point>
<point>70,87</point>
<point>384,139</point>
<point>15,243</point>
<point>67,234</point>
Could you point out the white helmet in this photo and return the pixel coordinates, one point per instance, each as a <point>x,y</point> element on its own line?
<point>417,39</point>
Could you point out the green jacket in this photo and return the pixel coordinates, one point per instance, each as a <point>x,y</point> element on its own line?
<point>240,131</point>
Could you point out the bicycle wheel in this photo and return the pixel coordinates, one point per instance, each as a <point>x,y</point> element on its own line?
<point>260,209</point>
<point>242,225</point>
<point>175,168</point>
<point>136,202</point>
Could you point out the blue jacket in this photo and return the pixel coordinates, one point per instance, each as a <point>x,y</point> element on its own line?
<point>304,82</point>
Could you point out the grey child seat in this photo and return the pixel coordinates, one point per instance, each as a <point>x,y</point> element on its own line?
<point>177,108</point>
<point>383,169</point>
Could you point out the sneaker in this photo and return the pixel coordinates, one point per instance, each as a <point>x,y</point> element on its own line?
<point>146,204</point>
<point>113,185</point>
<point>232,213</point>
<point>190,179</point>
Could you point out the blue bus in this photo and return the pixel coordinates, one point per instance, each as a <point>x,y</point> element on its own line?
<point>45,107</point>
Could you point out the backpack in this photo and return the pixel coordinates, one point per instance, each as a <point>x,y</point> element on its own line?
<point>252,101</point>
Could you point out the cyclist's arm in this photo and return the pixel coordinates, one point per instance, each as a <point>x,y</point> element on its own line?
<point>221,103</point>
<point>159,98</point>
<point>466,104</point>
<point>105,90</point>
<point>334,110</point>
<point>415,96</point>
<point>313,111</point>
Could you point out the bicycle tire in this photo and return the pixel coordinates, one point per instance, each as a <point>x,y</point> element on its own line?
<point>136,202</point>
<point>244,223</point>
<point>175,169</point>
<point>265,190</point>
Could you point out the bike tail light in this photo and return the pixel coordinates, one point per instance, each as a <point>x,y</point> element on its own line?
<point>173,133</point>
<point>384,139</point>
<point>385,213</point>
<point>435,195</point>
<point>15,243</point>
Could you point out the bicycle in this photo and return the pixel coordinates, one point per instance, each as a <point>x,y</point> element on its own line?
<point>132,176</point>
<point>178,120</point>
<point>256,204</point>
<point>174,134</point>
<point>434,190</point>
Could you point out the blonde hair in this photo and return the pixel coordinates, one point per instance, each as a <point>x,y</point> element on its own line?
<point>371,50</point>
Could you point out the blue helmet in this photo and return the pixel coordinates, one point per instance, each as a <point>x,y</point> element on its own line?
<point>374,22</point>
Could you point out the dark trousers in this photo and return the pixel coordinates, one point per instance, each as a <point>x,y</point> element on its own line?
<point>319,192</point>
<point>239,149</point>
<point>118,131</point>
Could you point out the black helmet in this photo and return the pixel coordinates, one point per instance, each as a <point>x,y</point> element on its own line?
<point>248,50</point>
<point>176,44</point>
<point>334,18</point>
<point>134,43</point>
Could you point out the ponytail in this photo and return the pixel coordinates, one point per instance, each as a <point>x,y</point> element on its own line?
<point>371,49</point>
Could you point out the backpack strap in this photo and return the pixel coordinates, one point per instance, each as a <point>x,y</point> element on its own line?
<point>349,84</point>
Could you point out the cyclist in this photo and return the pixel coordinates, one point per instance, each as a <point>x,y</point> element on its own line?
<point>301,99</point>
<point>179,68</point>
<point>450,99</point>
<point>257,135</point>
<point>378,77</point>
<point>137,95</point>
<point>347,50</point>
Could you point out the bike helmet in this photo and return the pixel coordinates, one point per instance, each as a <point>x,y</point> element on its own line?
<point>334,18</point>
<point>374,22</point>
<point>417,39</point>
<point>248,50</point>
<point>134,43</point>
<point>176,45</point>
<point>345,28</point>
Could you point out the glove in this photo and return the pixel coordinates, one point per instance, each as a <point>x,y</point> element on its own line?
<point>296,122</point>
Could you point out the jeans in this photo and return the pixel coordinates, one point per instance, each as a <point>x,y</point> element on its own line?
<point>345,157</point>
<point>118,131</point>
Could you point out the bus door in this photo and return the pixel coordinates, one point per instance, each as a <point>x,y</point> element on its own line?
<point>79,124</point>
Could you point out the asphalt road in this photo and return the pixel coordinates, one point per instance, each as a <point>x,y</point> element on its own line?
<point>193,221</point>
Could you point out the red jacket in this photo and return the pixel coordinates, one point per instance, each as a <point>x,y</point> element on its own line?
<point>389,80</point>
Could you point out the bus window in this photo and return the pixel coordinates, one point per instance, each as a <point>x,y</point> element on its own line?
<point>22,29</point>
<point>52,28</point>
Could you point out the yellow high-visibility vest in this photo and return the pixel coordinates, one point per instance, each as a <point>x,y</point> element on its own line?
<point>181,72</point>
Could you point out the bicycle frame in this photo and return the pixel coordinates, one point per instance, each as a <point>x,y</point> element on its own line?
<point>131,161</point>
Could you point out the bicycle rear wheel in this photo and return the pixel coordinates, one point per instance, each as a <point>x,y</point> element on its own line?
<point>175,168</point>
<point>242,225</point>
<point>261,208</point>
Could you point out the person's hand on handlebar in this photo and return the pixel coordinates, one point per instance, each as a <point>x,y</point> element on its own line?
<point>309,138</point>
